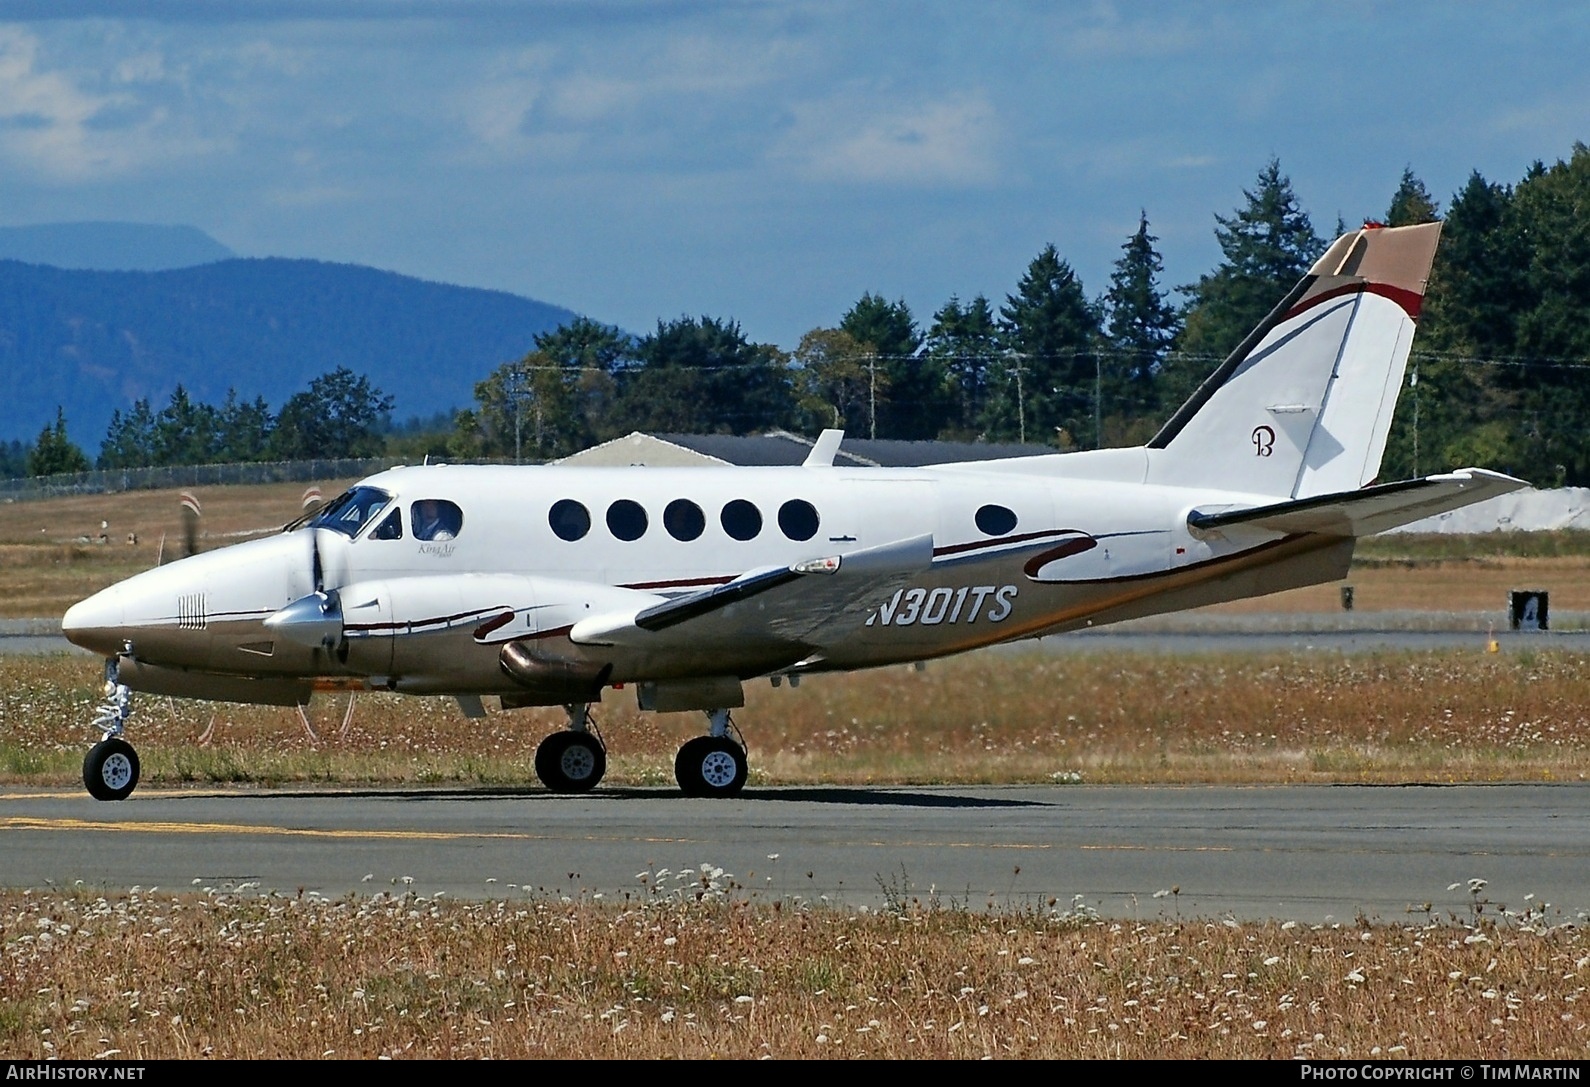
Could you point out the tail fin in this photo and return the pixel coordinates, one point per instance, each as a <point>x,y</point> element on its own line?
<point>1302,407</point>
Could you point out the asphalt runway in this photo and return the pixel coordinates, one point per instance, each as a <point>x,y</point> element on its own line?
<point>1302,853</point>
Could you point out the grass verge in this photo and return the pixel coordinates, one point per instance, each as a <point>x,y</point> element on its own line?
<point>690,968</point>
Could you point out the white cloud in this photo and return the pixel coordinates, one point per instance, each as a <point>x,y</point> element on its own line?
<point>953,141</point>
<point>1101,31</point>
<point>51,125</point>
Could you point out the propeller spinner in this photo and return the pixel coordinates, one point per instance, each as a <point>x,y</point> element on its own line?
<point>315,620</point>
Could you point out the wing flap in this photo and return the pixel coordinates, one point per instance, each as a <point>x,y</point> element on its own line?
<point>1367,511</point>
<point>782,605</point>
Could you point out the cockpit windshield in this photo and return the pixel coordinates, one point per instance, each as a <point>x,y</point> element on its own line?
<point>351,510</point>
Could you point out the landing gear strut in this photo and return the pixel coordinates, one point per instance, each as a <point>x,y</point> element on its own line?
<point>110,769</point>
<point>574,760</point>
<point>714,764</point>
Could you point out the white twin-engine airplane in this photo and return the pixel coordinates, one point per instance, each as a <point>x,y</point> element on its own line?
<point>547,585</point>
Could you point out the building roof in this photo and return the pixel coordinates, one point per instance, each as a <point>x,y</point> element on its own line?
<point>780,447</point>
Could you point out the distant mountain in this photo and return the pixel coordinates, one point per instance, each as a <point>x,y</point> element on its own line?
<point>111,247</point>
<point>95,341</point>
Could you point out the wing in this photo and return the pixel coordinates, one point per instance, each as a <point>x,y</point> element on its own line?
<point>1367,511</point>
<point>779,611</point>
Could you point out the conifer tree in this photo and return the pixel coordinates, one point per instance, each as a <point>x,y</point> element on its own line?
<point>1139,330</point>
<point>965,340</point>
<point>54,452</point>
<point>1046,393</point>
<point>1411,203</point>
<point>917,405</point>
<point>703,376</point>
<point>1268,245</point>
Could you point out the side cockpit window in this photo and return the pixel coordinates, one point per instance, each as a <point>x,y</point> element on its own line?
<point>391,528</point>
<point>436,519</point>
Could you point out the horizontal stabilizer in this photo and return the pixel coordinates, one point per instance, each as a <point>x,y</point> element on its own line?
<point>1367,511</point>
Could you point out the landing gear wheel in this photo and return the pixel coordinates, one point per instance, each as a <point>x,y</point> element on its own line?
<point>110,769</point>
<point>571,762</point>
<point>711,766</point>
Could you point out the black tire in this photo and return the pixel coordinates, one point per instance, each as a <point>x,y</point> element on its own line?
<point>571,762</point>
<point>711,766</point>
<point>110,769</point>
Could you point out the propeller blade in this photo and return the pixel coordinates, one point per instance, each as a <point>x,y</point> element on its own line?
<point>317,571</point>
<point>190,524</point>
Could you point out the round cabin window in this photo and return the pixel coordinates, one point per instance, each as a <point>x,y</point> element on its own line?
<point>742,520</point>
<point>684,520</point>
<point>569,520</point>
<point>798,519</point>
<point>995,520</point>
<point>626,519</point>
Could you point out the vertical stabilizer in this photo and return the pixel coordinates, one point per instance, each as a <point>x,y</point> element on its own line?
<point>1303,406</point>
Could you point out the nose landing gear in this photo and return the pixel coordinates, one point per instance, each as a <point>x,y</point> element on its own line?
<point>110,769</point>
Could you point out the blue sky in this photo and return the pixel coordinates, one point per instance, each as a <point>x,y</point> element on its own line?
<point>766,162</point>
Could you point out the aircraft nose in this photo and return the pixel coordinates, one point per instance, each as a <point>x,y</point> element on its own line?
<point>96,623</point>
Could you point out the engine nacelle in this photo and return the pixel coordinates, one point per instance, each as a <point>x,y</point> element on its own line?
<point>400,630</point>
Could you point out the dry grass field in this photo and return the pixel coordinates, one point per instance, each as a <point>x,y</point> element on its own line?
<point>1459,715</point>
<point>51,555</point>
<point>693,968</point>
<point>693,971</point>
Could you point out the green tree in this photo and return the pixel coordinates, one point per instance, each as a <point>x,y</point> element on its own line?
<point>965,341</point>
<point>918,403</point>
<point>1456,408</point>
<point>591,355</point>
<point>1411,203</point>
<point>1479,285</point>
<point>1550,229</point>
<point>340,415</point>
<point>1268,245</point>
<point>53,453</point>
<point>243,429</point>
<point>130,438</point>
<point>13,459</point>
<point>185,431</point>
<point>1140,327</point>
<point>1046,393</point>
<point>528,410</point>
<point>835,385</point>
<point>701,375</point>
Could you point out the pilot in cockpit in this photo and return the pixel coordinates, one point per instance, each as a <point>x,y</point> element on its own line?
<point>434,519</point>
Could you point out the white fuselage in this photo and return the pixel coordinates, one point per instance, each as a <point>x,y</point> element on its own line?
<point>1013,555</point>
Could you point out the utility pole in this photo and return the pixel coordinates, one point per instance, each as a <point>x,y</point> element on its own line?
<point>1021,401</point>
<point>872,396</point>
<point>1413,383</point>
<point>1098,385</point>
<point>515,388</point>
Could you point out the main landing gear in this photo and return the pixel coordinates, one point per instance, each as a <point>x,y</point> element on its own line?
<point>574,760</point>
<point>714,764</point>
<point>110,769</point>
